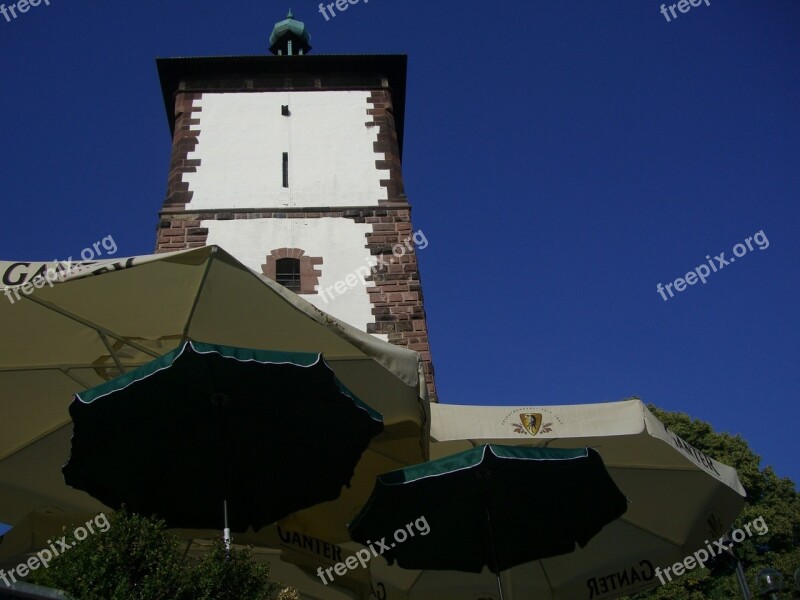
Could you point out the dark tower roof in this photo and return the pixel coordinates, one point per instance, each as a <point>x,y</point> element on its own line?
<point>290,37</point>
<point>286,73</point>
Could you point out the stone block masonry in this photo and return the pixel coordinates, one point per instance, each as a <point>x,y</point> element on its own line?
<point>233,120</point>
<point>184,142</point>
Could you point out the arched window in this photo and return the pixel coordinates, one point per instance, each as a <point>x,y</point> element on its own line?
<point>293,269</point>
<point>287,273</point>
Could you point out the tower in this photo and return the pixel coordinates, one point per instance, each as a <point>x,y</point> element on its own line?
<point>292,163</point>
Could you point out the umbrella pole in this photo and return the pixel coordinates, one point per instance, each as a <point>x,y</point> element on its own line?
<point>499,586</point>
<point>186,553</point>
<point>742,581</point>
<point>221,401</point>
<point>494,554</point>
<point>226,533</point>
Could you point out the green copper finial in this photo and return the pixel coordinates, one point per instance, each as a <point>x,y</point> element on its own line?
<point>290,37</point>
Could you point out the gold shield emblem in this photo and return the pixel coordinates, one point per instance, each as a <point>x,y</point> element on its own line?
<point>531,422</point>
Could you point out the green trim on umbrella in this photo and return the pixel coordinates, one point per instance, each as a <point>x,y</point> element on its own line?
<point>356,400</point>
<point>492,506</point>
<point>300,359</point>
<point>470,458</point>
<point>123,381</point>
<point>220,426</point>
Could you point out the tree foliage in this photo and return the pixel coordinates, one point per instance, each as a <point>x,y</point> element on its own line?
<point>768,496</point>
<point>139,559</point>
<point>230,576</point>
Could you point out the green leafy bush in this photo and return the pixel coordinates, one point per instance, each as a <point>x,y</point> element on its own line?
<point>139,559</point>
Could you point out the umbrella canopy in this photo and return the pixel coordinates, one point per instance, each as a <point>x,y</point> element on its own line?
<point>36,532</point>
<point>678,498</point>
<point>475,504</point>
<point>114,316</point>
<point>215,424</point>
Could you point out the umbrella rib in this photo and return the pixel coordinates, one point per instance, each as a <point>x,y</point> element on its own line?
<point>387,457</point>
<point>200,286</point>
<point>416,580</point>
<point>74,378</point>
<point>98,328</point>
<point>623,467</point>
<point>36,439</point>
<point>332,325</point>
<point>111,352</point>
<point>650,532</point>
<point>544,572</point>
<point>63,367</point>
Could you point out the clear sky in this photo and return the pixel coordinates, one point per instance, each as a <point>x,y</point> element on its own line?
<point>562,159</point>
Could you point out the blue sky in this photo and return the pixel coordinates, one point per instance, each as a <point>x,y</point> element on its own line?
<point>562,159</point>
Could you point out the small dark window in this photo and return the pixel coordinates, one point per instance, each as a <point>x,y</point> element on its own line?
<point>285,110</point>
<point>287,273</point>
<point>285,169</point>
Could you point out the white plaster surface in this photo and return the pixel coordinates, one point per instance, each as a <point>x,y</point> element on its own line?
<point>340,242</point>
<point>243,137</point>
